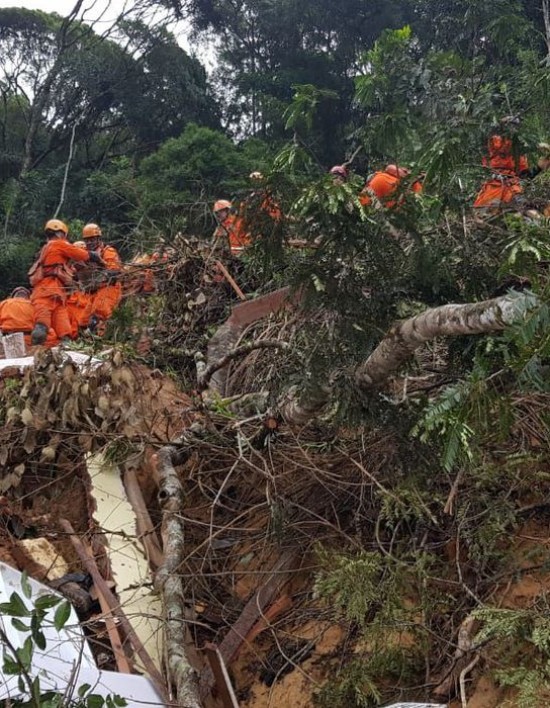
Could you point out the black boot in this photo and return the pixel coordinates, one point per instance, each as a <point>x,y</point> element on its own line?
<point>39,333</point>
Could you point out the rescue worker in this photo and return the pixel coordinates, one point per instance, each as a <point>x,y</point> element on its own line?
<point>508,169</point>
<point>17,315</point>
<point>230,230</point>
<point>79,302</point>
<point>267,203</point>
<point>386,187</point>
<point>109,293</point>
<point>339,174</point>
<point>50,277</point>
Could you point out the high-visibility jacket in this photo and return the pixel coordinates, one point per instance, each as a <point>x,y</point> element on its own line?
<point>504,185</point>
<point>79,307</point>
<point>383,186</point>
<point>107,297</point>
<point>495,193</point>
<point>232,228</point>
<point>49,295</point>
<point>17,315</point>
<point>502,159</point>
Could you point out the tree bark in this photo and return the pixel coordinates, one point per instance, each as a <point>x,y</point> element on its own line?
<point>546,18</point>
<point>446,321</point>
<point>180,672</point>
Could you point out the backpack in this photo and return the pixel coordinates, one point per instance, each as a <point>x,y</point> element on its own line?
<point>38,271</point>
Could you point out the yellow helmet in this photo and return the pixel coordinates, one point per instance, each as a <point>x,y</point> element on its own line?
<point>91,231</point>
<point>56,225</point>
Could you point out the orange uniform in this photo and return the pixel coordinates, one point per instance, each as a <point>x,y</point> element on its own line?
<point>17,315</point>
<point>232,228</point>
<point>107,297</point>
<point>385,186</point>
<point>49,295</point>
<point>79,307</point>
<point>505,184</point>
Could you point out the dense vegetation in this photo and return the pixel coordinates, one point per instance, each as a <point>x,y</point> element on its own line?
<point>128,130</point>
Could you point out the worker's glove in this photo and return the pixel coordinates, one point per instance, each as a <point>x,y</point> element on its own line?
<point>96,258</point>
<point>93,323</point>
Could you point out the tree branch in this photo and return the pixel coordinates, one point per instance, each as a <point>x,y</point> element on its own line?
<point>405,337</point>
<point>244,350</point>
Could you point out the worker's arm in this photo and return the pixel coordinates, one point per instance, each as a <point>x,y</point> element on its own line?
<point>111,258</point>
<point>75,253</point>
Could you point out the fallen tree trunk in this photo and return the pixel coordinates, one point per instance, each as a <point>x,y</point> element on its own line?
<point>302,405</point>
<point>405,337</point>
<point>168,580</point>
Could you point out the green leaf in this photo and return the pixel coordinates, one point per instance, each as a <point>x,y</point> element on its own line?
<point>24,653</point>
<point>20,626</point>
<point>119,701</point>
<point>11,667</point>
<point>21,684</point>
<point>83,689</point>
<point>36,690</point>
<point>15,607</point>
<point>39,639</point>
<point>62,615</point>
<point>47,601</point>
<point>95,701</point>
<point>25,585</point>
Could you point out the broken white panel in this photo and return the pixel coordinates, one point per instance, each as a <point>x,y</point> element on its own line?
<point>81,359</point>
<point>137,691</point>
<point>67,660</point>
<point>116,517</point>
<point>67,650</point>
<point>14,345</point>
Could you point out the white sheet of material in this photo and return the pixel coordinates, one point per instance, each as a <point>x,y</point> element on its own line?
<point>115,516</point>
<point>67,659</point>
<point>66,650</point>
<point>81,359</point>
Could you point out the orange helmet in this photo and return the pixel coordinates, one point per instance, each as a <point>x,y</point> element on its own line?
<point>221,204</point>
<point>91,231</point>
<point>396,171</point>
<point>339,171</point>
<point>56,225</point>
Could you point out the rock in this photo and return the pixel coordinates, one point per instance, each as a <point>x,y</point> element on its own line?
<point>40,558</point>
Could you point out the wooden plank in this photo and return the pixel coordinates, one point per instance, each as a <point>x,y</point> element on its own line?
<point>221,676</point>
<point>122,662</point>
<point>280,606</point>
<point>100,583</point>
<point>145,528</point>
<point>227,275</point>
<point>255,607</point>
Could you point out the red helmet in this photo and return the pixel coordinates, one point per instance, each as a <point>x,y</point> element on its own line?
<point>91,231</point>
<point>339,171</point>
<point>221,204</point>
